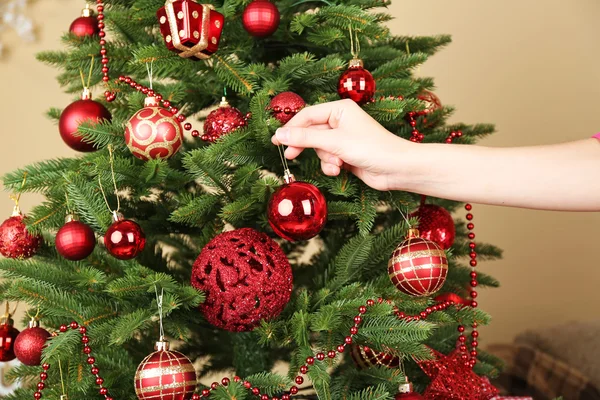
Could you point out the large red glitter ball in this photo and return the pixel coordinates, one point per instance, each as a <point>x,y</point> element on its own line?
<point>15,241</point>
<point>75,241</point>
<point>76,113</point>
<point>261,18</point>
<point>124,239</point>
<point>297,211</point>
<point>418,266</point>
<point>222,121</point>
<point>8,335</point>
<point>357,83</point>
<point>84,26</point>
<point>246,278</point>
<point>165,375</point>
<point>436,224</point>
<point>153,133</point>
<point>365,357</point>
<point>29,345</point>
<point>285,105</point>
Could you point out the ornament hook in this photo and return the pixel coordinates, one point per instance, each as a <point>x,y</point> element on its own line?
<point>17,198</point>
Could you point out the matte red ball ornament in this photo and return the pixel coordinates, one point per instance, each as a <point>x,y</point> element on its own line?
<point>84,110</point>
<point>406,392</point>
<point>365,357</point>
<point>86,25</point>
<point>8,335</point>
<point>357,83</point>
<point>297,210</point>
<point>124,239</point>
<point>75,240</point>
<point>30,343</point>
<point>418,267</point>
<point>165,375</point>
<point>246,277</point>
<point>436,224</point>
<point>285,105</point>
<point>153,132</point>
<point>15,240</point>
<point>261,18</point>
<point>222,121</point>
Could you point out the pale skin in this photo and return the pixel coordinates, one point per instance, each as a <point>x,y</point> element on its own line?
<point>550,177</point>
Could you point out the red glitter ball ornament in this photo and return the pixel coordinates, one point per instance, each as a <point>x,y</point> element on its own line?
<point>436,224</point>
<point>246,278</point>
<point>15,240</point>
<point>75,240</point>
<point>84,110</point>
<point>365,357</point>
<point>153,132</point>
<point>165,375</point>
<point>86,25</point>
<point>357,83</point>
<point>297,210</point>
<point>124,239</point>
<point>285,105</point>
<point>222,121</point>
<point>30,343</point>
<point>8,335</point>
<point>418,267</point>
<point>261,18</point>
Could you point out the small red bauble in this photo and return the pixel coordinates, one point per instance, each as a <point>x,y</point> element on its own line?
<point>124,239</point>
<point>297,210</point>
<point>75,240</point>
<point>86,25</point>
<point>432,102</point>
<point>8,335</point>
<point>365,357</point>
<point>357,83</point>
<point>246,278</point>
<point>15,240</point>
<point>418,267</point>
<point>261,18</point>
<point>165,375</point>
<point>30,343</point>
<point>74,114</point>
<point>436,224</point>
<point>153,132</point>
<point>222,121</point>
<point>285,105</point>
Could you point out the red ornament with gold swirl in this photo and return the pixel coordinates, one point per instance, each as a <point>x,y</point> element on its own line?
<point>365,357</point>
<point>418,267</point>
<point>153,132</point>
<point>164,375</point>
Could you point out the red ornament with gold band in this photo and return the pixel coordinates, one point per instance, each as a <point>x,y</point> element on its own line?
<point>365,357</point>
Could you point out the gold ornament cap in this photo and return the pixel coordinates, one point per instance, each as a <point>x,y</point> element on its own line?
<point>162,345</point>
<point>151,101</point>
<point>224,102</point>
<point>356,63</point>
<point>7,320</point>
<point>288,177</point>
<point>86,94</point>
<point>34,323</point>
<point>70,218</point>
<point>406,387</point>
<point>64,397</point>
<point>87,11</point>
<point>16,211</point>
<point>413,233</point>
<point>117,216</point>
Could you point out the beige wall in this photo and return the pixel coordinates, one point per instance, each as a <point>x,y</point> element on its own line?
<point>530,68</point>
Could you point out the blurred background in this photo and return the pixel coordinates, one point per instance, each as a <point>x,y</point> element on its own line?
<point>529,68</point>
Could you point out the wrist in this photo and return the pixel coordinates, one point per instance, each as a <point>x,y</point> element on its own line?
<point>409,167</point>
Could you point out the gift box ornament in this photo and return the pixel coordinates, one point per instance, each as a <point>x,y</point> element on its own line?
<point>190,29</point>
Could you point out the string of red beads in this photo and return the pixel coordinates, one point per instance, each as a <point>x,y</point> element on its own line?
<point>108,95</point>
<point>299,380</point>
<point>90,360</point>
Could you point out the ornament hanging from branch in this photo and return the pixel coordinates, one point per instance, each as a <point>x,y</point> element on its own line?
<point>8,335</point>
<point>356,82</point>
<point>30,343</point>
<point>261,18</point>
<point>223,120</point>
<point>86,25</point>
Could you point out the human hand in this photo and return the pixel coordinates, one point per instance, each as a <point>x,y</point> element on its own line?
<point>345,136</point>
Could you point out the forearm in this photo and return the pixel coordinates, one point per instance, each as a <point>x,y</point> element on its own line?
<point>554,177</point>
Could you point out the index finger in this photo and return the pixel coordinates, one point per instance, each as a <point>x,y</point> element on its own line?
<point>320,114</point>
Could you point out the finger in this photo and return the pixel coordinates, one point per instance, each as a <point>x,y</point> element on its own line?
<point>308,137</point>
<point>330,169</point>
<point>327,113</point>
<point>318,127</point>
<point>329,158</point>
<point>292,152</point>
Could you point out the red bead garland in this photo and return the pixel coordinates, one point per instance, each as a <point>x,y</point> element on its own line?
<point>108,95</point>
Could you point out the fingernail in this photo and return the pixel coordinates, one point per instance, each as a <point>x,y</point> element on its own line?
<point>283,134</point>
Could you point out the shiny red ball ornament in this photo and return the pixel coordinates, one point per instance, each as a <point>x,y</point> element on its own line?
<point>365,357</point>
<point>30,343</point>
<point>153,132</point>
<point>357,83</point>
<point>418,267</point>
<point>124,239</point>
<point>75,240</point>
<point>8,335</point>
<point>285,105</point>
<point>297,210</point>
<point>84,110</point>
<point>15,240</point>
<point>436,224</point>
<point>261,18</point>
<point>432,102</point>
<point>222,121</point>
<point>86,25</point>
<point>406,392</point>
<point>246,278</point>
<point>165,375</point>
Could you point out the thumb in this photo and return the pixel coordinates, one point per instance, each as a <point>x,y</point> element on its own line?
<point>307,138</point>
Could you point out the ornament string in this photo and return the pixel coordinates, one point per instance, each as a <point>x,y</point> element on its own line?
<point>62,381</point>
<point>114,180</point>
<point>150,70</point>
<point>89,75</point>
<point>17,198</point>
<point>159,302</point>
<point>354,42</point>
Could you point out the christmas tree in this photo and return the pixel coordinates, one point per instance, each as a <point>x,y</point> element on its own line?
<point>342,329</point>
